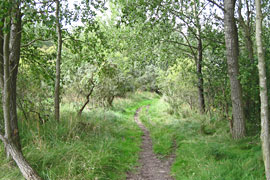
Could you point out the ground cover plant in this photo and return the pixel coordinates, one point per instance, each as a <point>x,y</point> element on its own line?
<point>101,144</point>
<point>202,145</point>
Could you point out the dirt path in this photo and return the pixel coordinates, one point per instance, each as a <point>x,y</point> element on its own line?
<point>151,167</point>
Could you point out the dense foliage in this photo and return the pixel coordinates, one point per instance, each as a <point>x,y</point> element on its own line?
<point>173,48</point>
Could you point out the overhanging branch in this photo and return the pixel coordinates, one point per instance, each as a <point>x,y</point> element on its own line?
<point>218,5</point>
<point>33,41</point>
<point>176,42</point>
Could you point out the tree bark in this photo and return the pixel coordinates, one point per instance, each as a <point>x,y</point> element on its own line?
<point>232,53</point>
<point>263,91</point>
<point>6,90</point>
<point>26,170</point>
<point>247,29</point>
<point>1,56</point>
<point>200,77</point>
<point>15,50</point>
<point>87,101</point>
<point>199,59</point>
<point>10,56</point>
<point>58,62</point>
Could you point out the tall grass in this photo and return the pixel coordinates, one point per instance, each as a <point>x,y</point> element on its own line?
<point>102,144</point>
<point>205,150</point>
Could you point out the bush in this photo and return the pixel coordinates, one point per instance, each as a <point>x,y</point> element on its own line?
<point>179,85</point>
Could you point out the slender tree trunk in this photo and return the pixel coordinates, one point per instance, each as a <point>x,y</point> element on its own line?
<point>247,31</point>
<point>87,101</point>
<point>58,62</point>
<point>232,53</point>
<point>6,90</point>
<point>246,26</point>
<point>10,49</point>
<point>199,59</point>
<point>263,91</point>
<point>1,57</point>
<point>15,48</point>
<point>200,77</point>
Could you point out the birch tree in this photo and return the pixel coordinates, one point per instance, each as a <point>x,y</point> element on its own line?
<point>10,56</point>
<point>263,91</point>
<point>58,63</point>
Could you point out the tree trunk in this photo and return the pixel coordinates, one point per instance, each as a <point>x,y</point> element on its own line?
<point>6,90</point>
<point>87,101</point>
<point>58,62</point>
<point>1,57</point>
<point>263,91</point>
<point>200,77</point>
<point>232,53</point>
<point>26,170</point>
<point>10,49</point>
<point>13,55</point>
<point>15,43</point>
<point>247,31</point>
<point>246,26</point>
<point>199,58</point>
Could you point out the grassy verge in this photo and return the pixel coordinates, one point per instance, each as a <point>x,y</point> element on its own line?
<point>102,144</point>
<point>205,150</point>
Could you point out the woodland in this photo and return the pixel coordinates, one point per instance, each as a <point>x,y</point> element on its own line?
<point>87,86</point>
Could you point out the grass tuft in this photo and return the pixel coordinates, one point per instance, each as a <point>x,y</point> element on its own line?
<point>105,143</point>
<point>101,144</point>
<point>205,149</point>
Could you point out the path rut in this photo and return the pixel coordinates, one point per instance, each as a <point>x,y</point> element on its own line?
<point>151,167</point>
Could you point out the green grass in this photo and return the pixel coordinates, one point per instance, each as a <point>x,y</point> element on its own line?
<point>205,150</point>
<point>102,144</point>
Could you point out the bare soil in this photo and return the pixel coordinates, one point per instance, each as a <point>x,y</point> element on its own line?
<point>151,167</point>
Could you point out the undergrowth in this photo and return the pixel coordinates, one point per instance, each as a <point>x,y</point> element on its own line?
<point>204,149</point>
<point>102,144</point>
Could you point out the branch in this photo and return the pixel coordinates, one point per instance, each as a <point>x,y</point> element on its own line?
<point>190,46</point>
<point>176,42</point>
<point>33,41</point>
<point>218,5</point>
<point>186,53</point>
<point>188,24</point>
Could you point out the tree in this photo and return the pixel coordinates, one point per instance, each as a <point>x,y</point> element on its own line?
<point>263,91</point>
<point>232,54</point>
<point>11,37</point>
<point>10,56</point>
<point>58,62</point>
<point>199,58</point>
<point>182,17</point>
<point>247,60</point>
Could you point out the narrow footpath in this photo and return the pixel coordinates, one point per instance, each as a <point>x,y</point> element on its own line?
<point>151,168</point>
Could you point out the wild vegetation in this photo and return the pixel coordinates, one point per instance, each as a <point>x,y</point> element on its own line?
<point>72,75</point>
